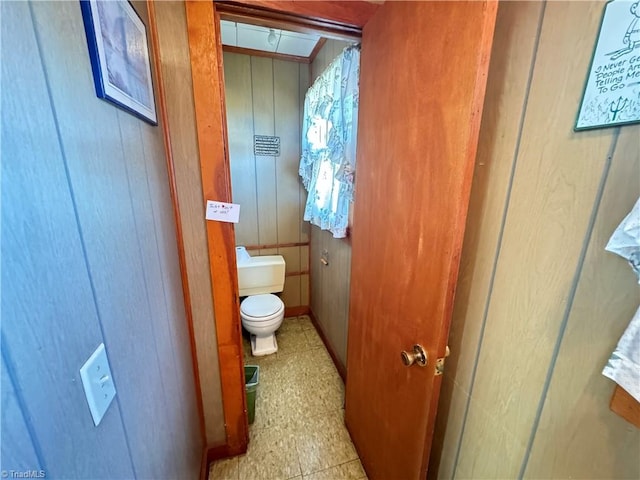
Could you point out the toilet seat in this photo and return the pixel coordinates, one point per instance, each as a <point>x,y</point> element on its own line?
<point>261,316</point>
<point>261,308</point>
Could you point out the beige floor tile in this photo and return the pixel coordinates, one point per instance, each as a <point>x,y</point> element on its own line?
<point>323,443</point>
<point>290,388</point>
<point>278,409</point>
<point>226,469</point>
<point>290,323</point>
<point>304,321</point>
<point>271,455</point>
<point>347,471</point>
<point>313,339</point>
<point>291,340</point>
<point>316,361</point>
<point>324,394</point>
<point>299,423</point>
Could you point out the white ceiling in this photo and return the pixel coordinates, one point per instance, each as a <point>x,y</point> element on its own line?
<point>255,37</point>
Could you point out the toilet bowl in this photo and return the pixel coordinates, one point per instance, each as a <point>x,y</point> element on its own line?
<point>261,316</point>
<point>261,311</point>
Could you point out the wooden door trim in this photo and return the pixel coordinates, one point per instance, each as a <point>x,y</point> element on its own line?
<point>265,54</point>
<point>341,14</point>
<point>288,16</point>
<point>482,74</point>
<point>207,74</point>
<point>208,83</point>
<point>171,173</point>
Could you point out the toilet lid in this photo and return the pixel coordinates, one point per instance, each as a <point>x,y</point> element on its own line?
<point>261,305</point>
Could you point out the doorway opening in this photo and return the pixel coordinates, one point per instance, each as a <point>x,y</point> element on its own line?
<point>268,68</point>
<point>419,119</point>
<point>264,92</point>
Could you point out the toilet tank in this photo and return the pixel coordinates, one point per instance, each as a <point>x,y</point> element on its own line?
<point>260,274</point>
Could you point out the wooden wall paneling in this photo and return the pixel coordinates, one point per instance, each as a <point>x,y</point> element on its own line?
<point>177,290</point>
<point>345,277</point>
<point>264,124</point>
<point>483,426</point>
<point>264,53</point>
<point>553,193</point>
<point>291,293</point>
<point>286,115</point>
<point>578,436</point>
<point>330,285</point>
<point>98,176</point>
<point>291,257</point>
<point>176,73</point>
<point>17,450</point>
<point>276,194</point>
<point>145,232</point>
<point>511,65</point>
<point>208,83</point>
<point>181,351</point>
<point>336,294</point>
<point>49,325</point>
<point>316,274</point>
<point>327,322</point>
<point>304,258</point>
<point>305,291</point>
<point>303,84</point>
<point>238,96</point>
<point>450,421</point>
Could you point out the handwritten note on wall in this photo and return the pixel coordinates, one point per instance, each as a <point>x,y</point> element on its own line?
<point>223,212</point>
<point>612,92</point>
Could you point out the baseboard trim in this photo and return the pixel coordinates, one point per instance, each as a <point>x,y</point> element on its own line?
<point>216,453</point>
<point>295,311</point>
<point>204,466</point>
<point>341,368</point>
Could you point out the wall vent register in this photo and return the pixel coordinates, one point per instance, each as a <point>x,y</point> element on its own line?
<point>266,145</point>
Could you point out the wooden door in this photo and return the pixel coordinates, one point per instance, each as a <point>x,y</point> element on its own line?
<point>423,75</point>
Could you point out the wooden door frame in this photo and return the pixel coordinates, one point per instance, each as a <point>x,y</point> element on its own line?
<point>344,19</point>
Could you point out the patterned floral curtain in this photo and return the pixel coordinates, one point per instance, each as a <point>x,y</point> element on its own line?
<point>329,129</point>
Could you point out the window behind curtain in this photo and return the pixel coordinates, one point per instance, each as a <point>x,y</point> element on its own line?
<point>329,131</point>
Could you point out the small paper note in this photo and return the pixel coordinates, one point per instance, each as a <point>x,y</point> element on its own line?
<point>223,212</point>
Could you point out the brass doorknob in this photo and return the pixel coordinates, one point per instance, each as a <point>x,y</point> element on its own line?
<point>418,356</point>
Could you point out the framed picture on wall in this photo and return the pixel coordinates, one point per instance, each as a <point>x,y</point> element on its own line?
<point>119,53</point>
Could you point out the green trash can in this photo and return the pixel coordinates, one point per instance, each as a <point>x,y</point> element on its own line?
<point>251,377</point>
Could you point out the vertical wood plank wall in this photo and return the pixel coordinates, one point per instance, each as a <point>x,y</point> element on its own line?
<point>265,97</point>
<point>89,256</point>
<point>176,72</point>
<point>540,305</point>
<point>330,283</point>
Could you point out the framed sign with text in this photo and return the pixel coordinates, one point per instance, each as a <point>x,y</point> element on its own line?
<point>612,91</point>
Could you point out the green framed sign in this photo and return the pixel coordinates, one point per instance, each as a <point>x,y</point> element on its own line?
<point>612,91</point>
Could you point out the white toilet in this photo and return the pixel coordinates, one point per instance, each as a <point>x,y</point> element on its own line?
<point>261,312</point>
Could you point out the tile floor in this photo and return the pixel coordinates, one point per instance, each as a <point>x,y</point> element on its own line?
<point>298,432</point>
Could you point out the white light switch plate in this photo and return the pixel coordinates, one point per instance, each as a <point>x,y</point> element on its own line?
<point>98,383</point>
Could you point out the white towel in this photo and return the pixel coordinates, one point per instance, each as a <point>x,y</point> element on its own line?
<point>624,365</point>
<point>625,241</point>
